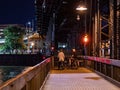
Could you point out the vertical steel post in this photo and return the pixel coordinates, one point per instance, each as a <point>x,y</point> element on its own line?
<point>118,29</point>
<point>53,31</point>
<point>115,29</point>
<point>85,47</point>
<point>111,34</point>
<point>98,29</point>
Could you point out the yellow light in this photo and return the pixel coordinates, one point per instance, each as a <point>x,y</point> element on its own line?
<point>73,50</point>
<point>85,39</point>
<point>32,44</point>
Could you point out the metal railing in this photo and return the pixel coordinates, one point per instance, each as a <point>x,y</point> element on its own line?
<point>107,67</point>
<point>31,79</point>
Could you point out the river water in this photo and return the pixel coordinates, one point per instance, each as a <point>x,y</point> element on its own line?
<point>8,72</point>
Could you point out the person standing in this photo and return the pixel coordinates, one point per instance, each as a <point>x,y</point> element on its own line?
<point>61,57</point>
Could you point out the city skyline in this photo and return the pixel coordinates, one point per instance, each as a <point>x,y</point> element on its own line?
<point>16,11</point>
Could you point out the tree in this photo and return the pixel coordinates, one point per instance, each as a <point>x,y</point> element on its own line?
<point>13,38</point>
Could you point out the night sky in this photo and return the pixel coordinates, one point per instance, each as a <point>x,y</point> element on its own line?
<point>16,11</point>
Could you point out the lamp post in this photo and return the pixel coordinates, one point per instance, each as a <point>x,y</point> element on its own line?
<point>82,8</point>
<point>85,40</point>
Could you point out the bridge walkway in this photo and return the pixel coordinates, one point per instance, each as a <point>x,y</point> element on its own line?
<point>77,79</point>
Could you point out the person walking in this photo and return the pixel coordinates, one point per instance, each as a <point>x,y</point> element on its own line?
<point>61,57</point>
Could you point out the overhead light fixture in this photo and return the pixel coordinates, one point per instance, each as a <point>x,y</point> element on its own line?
<point>81,8</point>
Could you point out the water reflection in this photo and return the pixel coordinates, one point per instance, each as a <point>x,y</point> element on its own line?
<point>8,72</point>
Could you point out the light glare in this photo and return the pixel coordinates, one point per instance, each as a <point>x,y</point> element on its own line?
<point>81,8</point>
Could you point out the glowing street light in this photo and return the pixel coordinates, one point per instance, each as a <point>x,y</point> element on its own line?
<point>32,44</point>
<point>85,39</point>
<point>74,50</point>
<point>81,8</point>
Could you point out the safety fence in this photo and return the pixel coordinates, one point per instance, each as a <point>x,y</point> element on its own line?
<point>107,67</point>
<point>31,79</point>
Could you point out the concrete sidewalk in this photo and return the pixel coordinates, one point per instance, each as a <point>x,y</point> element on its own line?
<point>78,81</point>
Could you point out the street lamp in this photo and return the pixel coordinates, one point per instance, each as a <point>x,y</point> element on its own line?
<point>85,39</point>
<point>81,8</point>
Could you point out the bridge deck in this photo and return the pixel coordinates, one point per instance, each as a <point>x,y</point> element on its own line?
<point>80,79</point>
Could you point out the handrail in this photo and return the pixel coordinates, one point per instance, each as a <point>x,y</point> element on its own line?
<point>104,60</point>
<point>110,68</point>
<point>31,79</point>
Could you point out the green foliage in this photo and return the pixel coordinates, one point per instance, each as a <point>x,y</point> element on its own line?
<point>1,48</point>
<point>14,38</point>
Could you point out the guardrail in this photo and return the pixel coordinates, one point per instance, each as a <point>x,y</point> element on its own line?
<point>107,67</point>
<point>31,79</point>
